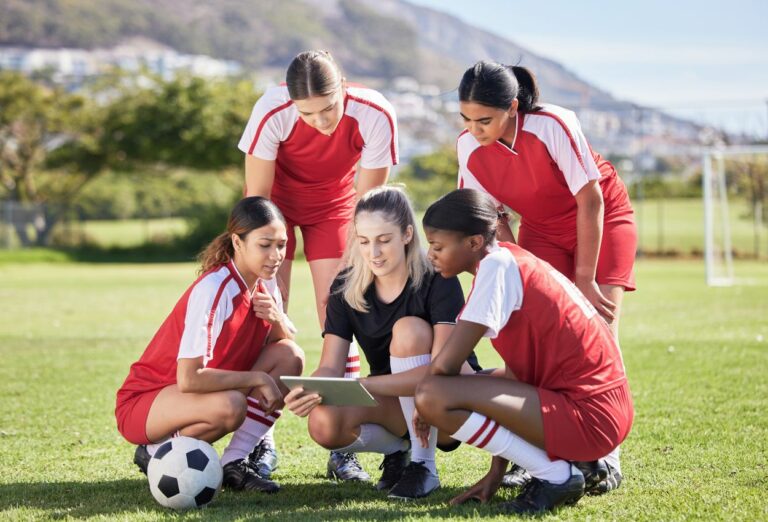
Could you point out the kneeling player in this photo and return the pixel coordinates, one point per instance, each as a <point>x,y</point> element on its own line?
<point>400,312</point>
<point>570,403</point>
<point>213,366</point>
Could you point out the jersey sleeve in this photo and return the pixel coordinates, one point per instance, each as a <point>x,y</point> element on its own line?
<point>569,148</point>
<point>270,123</point>
<point>445,300</point>
<point>380,149</point>
<point>337,320</point>
<point>497,292</point>
<point>203,320</point>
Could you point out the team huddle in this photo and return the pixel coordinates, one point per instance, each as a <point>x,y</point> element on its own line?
<point>552,418</point>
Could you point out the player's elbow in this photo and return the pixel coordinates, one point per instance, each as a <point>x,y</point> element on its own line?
<point>188,382</point>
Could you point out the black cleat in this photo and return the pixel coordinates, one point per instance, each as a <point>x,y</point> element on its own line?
<point>345,466</point>
<point>611,481</point>
<point>240,476</point>
<point>263,458</point>
<point>417,481</point>
<point>141,458</point>
<point>516,477</point>
<point>539,496</point>
<point>393,466</point>
<point>595,472</point>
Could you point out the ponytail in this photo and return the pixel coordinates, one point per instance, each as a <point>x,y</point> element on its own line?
<point>528,89</point>
<point>220,251</point>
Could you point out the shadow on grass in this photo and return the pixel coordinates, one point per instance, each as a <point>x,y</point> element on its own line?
<point>312,501</point>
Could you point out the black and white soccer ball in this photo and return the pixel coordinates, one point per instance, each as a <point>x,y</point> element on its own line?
<point>184,473</point>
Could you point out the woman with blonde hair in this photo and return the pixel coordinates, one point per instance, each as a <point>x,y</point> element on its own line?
<point>400,312</point>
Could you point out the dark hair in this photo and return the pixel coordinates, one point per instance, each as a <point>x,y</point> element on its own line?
<point>497,85</point>
<point>247,215</point>
<point>313,73</point>
<point>465,211</point>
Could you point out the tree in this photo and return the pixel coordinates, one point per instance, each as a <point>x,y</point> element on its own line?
<point>53,143</point>
<point>431,176</point>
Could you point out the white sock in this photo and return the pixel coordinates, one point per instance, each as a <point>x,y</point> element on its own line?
<point>269,436</point>
<point>374,438</point>
<point>352,370</point>
<point>408,405</point>
<point>152,448</point>
<point>250,432</point>
<point>613,459</point>
<point>487,434</point>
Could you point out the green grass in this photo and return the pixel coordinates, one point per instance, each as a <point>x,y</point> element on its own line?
<point>696,358</point>
<point>132,232</point>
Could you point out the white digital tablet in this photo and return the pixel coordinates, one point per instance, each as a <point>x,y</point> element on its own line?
<point>335,391</point>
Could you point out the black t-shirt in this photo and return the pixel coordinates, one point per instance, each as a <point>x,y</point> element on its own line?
<point>437,300</point>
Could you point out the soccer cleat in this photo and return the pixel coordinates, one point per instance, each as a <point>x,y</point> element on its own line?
<point>516,477</point>
<point>240,476</point>
<point>263,458</point>
<point>393,466</point>
<point>539,496</point>
<point>417,481</point>
<point>141,458</point>
<point>345,466</point>
<point>611,481</point>
<point>595,472</point>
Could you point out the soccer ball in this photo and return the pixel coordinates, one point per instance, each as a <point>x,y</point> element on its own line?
<point>184,473</point>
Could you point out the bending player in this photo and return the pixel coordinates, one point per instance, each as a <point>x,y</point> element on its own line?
<point>302,145</point>
<point>213,366</point>
<point>563,398</point>
<point>400,312</point>
<point>575,211</point>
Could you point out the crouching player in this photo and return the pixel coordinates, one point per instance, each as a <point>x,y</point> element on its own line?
<point>563,401</point>
<point>213,366</point>
<point>400,312</point>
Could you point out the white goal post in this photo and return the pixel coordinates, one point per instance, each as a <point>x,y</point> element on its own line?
<point>718,248</point>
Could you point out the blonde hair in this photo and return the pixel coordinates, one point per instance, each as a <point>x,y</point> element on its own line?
<point>392,202</point>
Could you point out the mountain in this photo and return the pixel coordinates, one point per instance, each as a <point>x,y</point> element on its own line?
<point>375,41</point>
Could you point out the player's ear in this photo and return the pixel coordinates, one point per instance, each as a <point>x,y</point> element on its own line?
<point>237,243</point>
<point>476,242</point>
<point>408,237</point>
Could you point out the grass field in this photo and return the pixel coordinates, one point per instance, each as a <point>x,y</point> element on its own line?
<point>696,357</point>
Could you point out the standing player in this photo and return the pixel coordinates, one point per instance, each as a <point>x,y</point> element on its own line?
<point>302,145</point>
<point>568,401</point>
<point>575,211</point>
<point>213,365</point>
<point>400,312</point>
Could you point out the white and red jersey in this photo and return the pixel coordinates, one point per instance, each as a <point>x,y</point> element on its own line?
<point>214,320</point>
<point>538,176</point>
<point>542,326</point>
<point>314,173</point>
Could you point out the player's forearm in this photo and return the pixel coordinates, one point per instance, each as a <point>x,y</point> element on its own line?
<point>207,380</point>
<point>397,384</point>
<point>281,330</point>
<point>370,178</point>
<point>589,233</point>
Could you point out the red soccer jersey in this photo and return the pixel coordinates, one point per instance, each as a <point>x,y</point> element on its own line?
<point>213,320</point>
<point>546,331</point>
<point>538,176</point>
<point>314,173</point>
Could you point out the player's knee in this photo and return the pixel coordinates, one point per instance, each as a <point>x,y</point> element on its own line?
<point>231,410</point>
<point>428,398</point>
<point>324,428</point>
<point>294,357</point>
<point>410,336</point>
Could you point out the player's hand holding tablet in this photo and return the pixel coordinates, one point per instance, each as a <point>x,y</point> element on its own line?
<point>301,402</point>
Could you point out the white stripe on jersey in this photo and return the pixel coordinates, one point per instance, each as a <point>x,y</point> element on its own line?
<point>198,334</point>
<point>560,132</point>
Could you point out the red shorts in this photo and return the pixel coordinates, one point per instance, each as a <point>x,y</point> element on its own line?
<point>324,240</point>
<point>132,413</point>
<point>615,261</point>
<point>585,429</point>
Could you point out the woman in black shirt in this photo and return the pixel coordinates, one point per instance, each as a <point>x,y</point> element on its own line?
<point>400,312</point>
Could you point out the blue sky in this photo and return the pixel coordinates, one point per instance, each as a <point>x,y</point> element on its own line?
<point>703,60</point>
